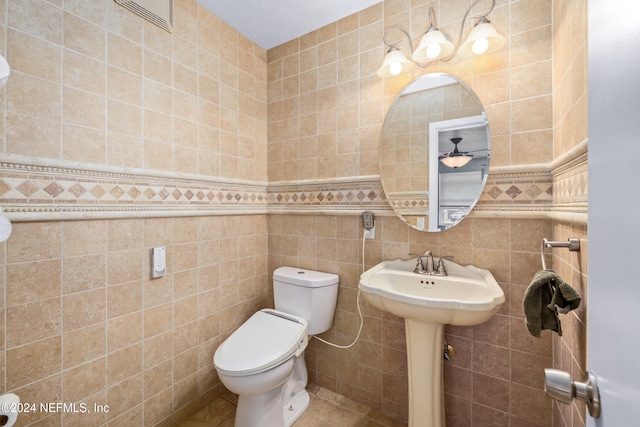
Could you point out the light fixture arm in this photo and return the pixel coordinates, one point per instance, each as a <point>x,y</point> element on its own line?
<point>395,44</point>
<point>433,21</point>
<point>480,18</point>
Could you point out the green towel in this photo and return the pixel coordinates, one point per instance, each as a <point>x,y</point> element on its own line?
<point>546,296</point>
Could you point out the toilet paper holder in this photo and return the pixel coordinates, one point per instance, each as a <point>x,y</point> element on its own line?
<point>559,386</point>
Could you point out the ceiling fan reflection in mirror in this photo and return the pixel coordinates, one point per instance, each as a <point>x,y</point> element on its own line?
<point>456,158</point>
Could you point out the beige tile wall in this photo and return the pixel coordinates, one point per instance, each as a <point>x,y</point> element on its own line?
<point>326,108</point>
<point>495,377</point>
<point>81,320</point>
<point>85,323</point>
<point>570,122</point>
<point>570,95</point>
<point>327,105</point>
<point>570,350</point>
<point>92,82</point>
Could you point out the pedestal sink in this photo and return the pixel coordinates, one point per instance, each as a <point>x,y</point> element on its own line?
<point>466,296</point>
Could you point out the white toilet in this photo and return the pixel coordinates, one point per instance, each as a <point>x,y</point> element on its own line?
<point>263,360</point>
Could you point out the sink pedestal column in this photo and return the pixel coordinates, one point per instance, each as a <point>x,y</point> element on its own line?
<point>424,354</point>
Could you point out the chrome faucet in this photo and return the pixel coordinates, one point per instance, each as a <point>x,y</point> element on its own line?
<point>429,268</point>
<point>426,267</point>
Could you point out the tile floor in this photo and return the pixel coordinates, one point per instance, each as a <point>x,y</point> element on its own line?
<point>326,409</point>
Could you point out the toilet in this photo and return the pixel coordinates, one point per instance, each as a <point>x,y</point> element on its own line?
<point>263,360</point>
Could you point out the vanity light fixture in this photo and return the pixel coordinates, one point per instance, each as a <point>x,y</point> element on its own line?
<point>436,46</point>
<point>455,159</point>
<point>395,63</point>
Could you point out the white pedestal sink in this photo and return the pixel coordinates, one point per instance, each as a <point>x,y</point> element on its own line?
<point>467,296</point>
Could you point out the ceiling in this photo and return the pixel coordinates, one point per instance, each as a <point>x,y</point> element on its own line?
<point>270,23</point>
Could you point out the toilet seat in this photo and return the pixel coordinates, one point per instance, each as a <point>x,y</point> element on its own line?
<point>268,338</point>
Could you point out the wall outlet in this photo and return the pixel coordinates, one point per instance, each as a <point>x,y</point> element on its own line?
<point>371,233</point>
<point>158,262</point>
<point>367,220</point>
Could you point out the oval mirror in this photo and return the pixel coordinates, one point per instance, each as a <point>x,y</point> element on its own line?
<point>435,148</point>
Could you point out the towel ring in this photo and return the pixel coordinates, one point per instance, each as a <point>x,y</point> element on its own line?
<point>572,244</point>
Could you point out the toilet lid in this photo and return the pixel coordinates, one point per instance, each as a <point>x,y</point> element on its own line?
<point>262,342</point>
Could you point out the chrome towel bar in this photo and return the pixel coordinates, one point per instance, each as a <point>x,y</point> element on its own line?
<point>572,244</point>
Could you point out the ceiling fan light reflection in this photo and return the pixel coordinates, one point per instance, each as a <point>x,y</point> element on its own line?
<point>456,161</point>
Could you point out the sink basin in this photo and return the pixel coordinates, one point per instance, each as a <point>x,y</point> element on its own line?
<point>467,296</point>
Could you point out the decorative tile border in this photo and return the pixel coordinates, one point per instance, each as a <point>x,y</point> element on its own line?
<point>41,190</point>
<point>571,183</point>
<point>31,189</point>
<point>525,190</point>
<point>530,187</point>
<point>330,195</point>
<point>516,191</point>
<point>409,202</point>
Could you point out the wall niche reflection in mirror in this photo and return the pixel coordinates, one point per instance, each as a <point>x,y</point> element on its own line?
<point>435,148</point>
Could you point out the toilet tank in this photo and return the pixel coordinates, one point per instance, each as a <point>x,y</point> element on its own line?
<point>309,294</point>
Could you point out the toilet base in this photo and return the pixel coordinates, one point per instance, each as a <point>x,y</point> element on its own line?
<point>292,410</point>
<point>268,409</point>
<point>280,406</point>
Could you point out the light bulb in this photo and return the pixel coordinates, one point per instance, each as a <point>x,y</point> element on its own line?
<point>433,51</point>
<point>395,68</point>
<point>480,46</point>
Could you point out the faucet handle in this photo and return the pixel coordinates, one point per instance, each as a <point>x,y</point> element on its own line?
<point>419,266</point>
<point>441,271</point>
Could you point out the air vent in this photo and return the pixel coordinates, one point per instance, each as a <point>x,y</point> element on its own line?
<point>160,12</point>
